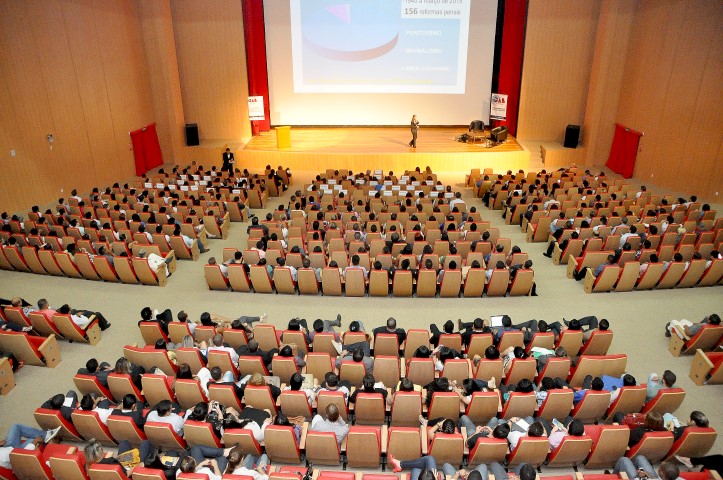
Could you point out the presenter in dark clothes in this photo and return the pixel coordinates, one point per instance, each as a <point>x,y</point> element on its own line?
<point>228,161</point>
<point>415,129</point>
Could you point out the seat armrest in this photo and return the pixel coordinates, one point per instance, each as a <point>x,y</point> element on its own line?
<point>384,433</point>
<point>302,440</point>
<point>51,351</point>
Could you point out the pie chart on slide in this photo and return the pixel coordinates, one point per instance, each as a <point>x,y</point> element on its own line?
<point>350,30</point>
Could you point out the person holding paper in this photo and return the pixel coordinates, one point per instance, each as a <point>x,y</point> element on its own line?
<point>228,161</point>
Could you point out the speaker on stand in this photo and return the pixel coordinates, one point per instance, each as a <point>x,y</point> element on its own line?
<point>192,135</point>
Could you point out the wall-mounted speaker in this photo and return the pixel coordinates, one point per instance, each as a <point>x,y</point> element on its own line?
<point>192,134</point>
<point>572,136</point>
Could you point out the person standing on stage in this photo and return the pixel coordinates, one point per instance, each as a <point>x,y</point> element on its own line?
<point>228,161</point>
<point>415,129</point>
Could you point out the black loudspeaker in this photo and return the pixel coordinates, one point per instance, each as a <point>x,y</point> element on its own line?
<point>572,136</point>
<point>192,134</point>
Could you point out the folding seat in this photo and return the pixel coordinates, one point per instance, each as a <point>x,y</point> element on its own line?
<point>67,265</point>
<point>149,358</point>
<point>558,404</point>
<point>33,464</point>
<point>47,259</point>
<point>72,332</point>
<point>522,283</point>
<point>89,426</point>
<point>406,409</point>
<point>695,442</point>
<point>352,372</point>
<point>572,451</point>
<point>420,371</point>
<point>245,439</point>
<point>474,283</point>
<point>7,380</point>
<point>295,404</point>
<point>355,283</point>
<point>204,333</point>
<point>654,446</point>
<point>672,275</point>
<point>215,279</point>
<point>298,338</point>
<point>542,340</point>
<point>451,284</point>
<point>521,368</point>
<point>178,330</point>
<point>532,450</point>
<point>68,466</point>
<point>512,338</point>
<point>238,279</point>
<point>225,395</point>
<point>650,277</point>
<point>49,419</point>
<point>281,444</point>
<point>221,359</point>
<point>592,407</point>
<point>192,357</point>
<point>668,400</point>
<point>706,368</point>
<point>13,255</point>
<point>124,428</point>
<point>17,316</point>
<point>609,444</point>
<point>221,231</point>
<point>444,405</point>
<point>260,279</point>
<point>458,369</point>
<point>200,433</point>
<point>478,343</point>
<point>706,340</point>
<point>235,338</point>
<point>499,281</point>
<point>630,400</point>
<point>519,405</point>
<point>157,388</point>
<point>38,351</point>
<point>365,446</point>
<point>43,325</point>
<point>178,245</point>
<point>91,384</point>
<point>151,332</point>
<point>598,343</point>
<point>712,275</point>
<point>163,436</point>
<point>488,369</point>
<point>451,340</point>
<point>322,448</point>
<point>482,407</point>
<point>284,368</point>
<point>387,369</point>
<point>386,344</point>
<point>448,448</point>
<point>571,340</point>
<point>188,392</point>
<point>405,443</point>
<point>143,473</point>
<point>415,339</point>
<point>613,365</point>
<point>30,254</point>
<point>349,338</point>
<point>324,398</point>
<point>331,282</point>
<point>265,334</point>
<point>259,397</point>
<point>248,365</point>
<point>628,277</point>
<point>402,284</point>
<point>319,364</point>
<point>378,283</point>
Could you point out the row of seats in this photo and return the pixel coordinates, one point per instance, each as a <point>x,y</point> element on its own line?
<point>126,269</point>
<point>353,283</point>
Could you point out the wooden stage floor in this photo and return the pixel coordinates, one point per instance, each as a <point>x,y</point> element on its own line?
<point>361,148</point>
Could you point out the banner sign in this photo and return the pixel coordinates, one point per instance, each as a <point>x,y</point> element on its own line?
<point>256,108</point>
<point>498,107</point>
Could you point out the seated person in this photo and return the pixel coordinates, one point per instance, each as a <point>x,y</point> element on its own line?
<point>691,329</point>
<point>589,384</point>
<point>332,383</point>
<point>99,371</point>
<point>131,407</point>
<point>369,385</point>
<point>162,412</point>
<point>656,384</point>
<point>295,385</point>
<point>330,422</point>
<point>65,404</point>
<point>98,404</point>
<point>83,318</point>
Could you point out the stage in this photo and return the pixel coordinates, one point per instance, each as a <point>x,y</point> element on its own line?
<point>360,148</point>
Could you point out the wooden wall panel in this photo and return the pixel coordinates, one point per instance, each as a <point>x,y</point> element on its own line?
<point>58,76</point>
<point>672,91</point>
<point>611,46</point>
<point>212,67</point>
<point>559,46</point>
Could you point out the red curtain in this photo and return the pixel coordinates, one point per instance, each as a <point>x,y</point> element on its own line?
<point>253,12</point>
<point>513,45</point>
<point>146,149</point>
<point>624,151</point>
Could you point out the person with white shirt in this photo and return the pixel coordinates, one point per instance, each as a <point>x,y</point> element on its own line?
<point>83,318</point>
<point>251,466</point>
<point>155,261</point>
<point>355,266</point>
<point>222,266</point>
<point>626,236</point>
<point>281,262</point>
<point>218,346</point>
<point>97,404</point>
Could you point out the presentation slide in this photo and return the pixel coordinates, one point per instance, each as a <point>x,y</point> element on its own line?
<point>377,62</point>
<point>379,46</point>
